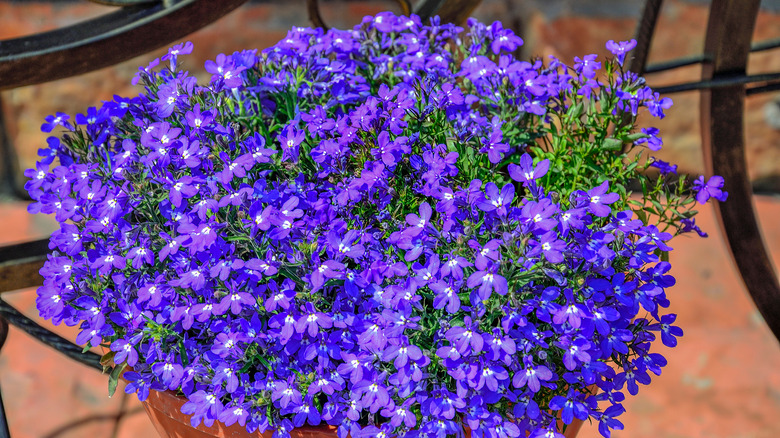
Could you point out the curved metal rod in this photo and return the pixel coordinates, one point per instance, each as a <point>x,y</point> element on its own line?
<point>727,46</point>
<point>125,3</point>
<point>644,36</point>
<point>406,7</point>
<point>3,331</point>
<point>674,63</point>
<point>4,431</point>
<point>722,81</point>
<point>767,88</point>
<point>765,45</point>
<point>10,172</point>
<point>313,8</point>
<point>103,41</point>
<point>427,9</point>
<point>20,263</point>
<point>49,338</point>
<point>698,59</point>
<point>450,11</point>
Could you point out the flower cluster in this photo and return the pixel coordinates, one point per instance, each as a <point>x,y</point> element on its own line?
<point>399,230</point>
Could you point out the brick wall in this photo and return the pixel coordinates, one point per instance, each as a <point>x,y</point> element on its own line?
<point>562,27</point>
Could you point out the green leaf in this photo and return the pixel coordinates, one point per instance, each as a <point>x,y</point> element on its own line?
<point>575,110</point>
<point>635,203</point>
<point>619,189</point>
<point>113,378</point>
<point>657,205</point>
<point>108,359</point>
<point>333,282</point>
<point>554,130</point>
<point>183,353</point>
<point>635,136</point>
<point>612,144</point>
<point>288,272</point>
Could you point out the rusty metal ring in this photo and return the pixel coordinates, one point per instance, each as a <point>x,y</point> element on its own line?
<point>124,3</point>
<point>312,7</point>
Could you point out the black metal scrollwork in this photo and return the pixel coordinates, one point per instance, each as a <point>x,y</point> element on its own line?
<point>140,26</point>
<point>724,85</point>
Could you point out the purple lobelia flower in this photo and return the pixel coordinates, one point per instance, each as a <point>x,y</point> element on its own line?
<point>311,321</point>
<point>419,222</point>
<point>620,49</point>
<point>549,245</point>
<point>598,199</point>
<point>495,147</point>
<point>59,119</point>
<point>454,266</point>
<point>496,200</point>
<point>225,72</point>
<point>345,246</point>
<point>587,65</point>
<point>125,352</point>
<point>174,52</point>
<point>669,332</point>
<point>235,413</point>
<point>446,296</point>
<point>503,39</point>
<point>291,139</point>
<point>569,406</point>
<point>710,189</point>
<point>170,372</point>
<point>526,172</point>
<point>488,282</point>
<point>325,270</point>
<point>532,376</point>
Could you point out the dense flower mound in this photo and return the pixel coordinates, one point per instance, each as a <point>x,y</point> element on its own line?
<point>399,230</point>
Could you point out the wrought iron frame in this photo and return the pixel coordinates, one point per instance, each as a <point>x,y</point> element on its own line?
<point>724,86</point>
<point>140,26</point>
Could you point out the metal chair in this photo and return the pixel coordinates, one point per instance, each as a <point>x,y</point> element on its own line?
<point>143,25</point>
<point>724,85</point>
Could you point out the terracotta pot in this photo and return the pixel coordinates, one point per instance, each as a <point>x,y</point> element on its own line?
<point>164,409</point>
<point>573,429</point>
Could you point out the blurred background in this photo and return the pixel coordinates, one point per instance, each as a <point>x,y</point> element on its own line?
<point>723,379</point>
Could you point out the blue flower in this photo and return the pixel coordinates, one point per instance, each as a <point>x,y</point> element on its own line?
<point>60,119</point>
<point>532,376</point>
<point>203,406</point>
<point>488,281</point>
<point>224,72</point>
<point>351,223</point>
<point>620,49</point>
<point>235,413</point>
<point>669,332</point>
<point>174,52</point>
<point>599,199</point>
<point>711,189</point>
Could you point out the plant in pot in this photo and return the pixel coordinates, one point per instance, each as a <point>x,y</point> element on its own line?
<point>395,230</point>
